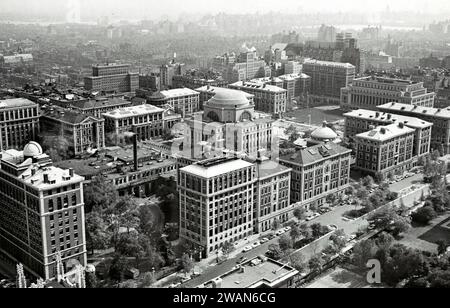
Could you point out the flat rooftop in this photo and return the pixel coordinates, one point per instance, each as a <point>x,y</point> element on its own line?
<point>178,92</point>
<point>382,133</point>
<point>416,110</point>
<point>255,273</point>
<point>132,111</point>
<point>215,167</point>
<point>387,118</point>
<point>16,103</point>
<point>257,86</point>
<point>328,63</point>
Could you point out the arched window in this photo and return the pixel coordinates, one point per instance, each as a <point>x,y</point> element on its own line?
<point>213,116</point>
<point>245,116</point>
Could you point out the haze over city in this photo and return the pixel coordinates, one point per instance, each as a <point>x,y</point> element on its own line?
<point>91,10</point>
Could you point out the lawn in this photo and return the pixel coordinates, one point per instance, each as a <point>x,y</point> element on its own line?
<point>439,232</point>
<point>318,115</point>
<point>340,278</point>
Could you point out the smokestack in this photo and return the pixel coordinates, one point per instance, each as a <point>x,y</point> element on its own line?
<point>45,178</point>
<point>135,152</point>
<point>71,172</point>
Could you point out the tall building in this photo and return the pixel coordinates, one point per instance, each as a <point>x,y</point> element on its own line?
<point>229,122</point>
<point>183,101</point>
<point>112,78</point>
<point>440,133</point>
<point>168,71</point>
<point>327,79</point>
<point>19,123</point>
<point>242,68</point>
<point>361,121</point>
<point>326,34</point>
<point>385,150</point>
<point>267,98</point>
<point>369,92</point>
<point>41,212</point>
<point>83,133</point>
<point>317,171</point>
<point>216,202</point>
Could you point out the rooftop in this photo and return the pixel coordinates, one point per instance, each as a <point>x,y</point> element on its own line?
<point>215,167</point>
<point>254,273</point>
<point>268,168</point>
<point>424,111</point>
<point>388,118</point>
<point>93,104</point>
<point>16,103</point>
<point>382,133</point>
<point>215,90</point>
<point>65,115</point>
<point>178,92</point>
<point>258,86</point>
<point>315,154</point>
<point>133,111</point>
<point>328,63</point>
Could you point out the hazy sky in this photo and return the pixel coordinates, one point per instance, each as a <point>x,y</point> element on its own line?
<point>155,8</point>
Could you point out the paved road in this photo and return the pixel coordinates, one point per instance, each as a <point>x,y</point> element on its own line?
<point>334,217</point>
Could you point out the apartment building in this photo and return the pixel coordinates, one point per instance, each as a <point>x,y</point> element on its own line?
<point>112,78</point>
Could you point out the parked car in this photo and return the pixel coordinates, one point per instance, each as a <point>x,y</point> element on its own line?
<point>313,216</point>
<point>333,227</point>
<point>352,237</point>
<point>247,248</point>
<point>264,240</point>
<point>241,260</point>
<point>256,244</point>
<point>287,229</point>
<point>279,232</point>
<point>271,236</point>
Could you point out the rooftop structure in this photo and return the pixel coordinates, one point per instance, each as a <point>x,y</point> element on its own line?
<point>132,111</point>
<point>216,167</point>
<point>383,133</point>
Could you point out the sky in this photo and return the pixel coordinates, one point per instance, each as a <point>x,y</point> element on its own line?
<point>138,9</point>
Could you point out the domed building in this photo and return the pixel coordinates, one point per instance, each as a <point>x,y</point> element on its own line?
<point>229,123</point>
<point>323,134</point>
<point>32,149</point>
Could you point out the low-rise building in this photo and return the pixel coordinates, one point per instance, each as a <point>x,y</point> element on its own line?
<point>385,150</point>
<point>361,120</point>
<point>183,101</point>
<point>83,133</point>
<point>317,171</point>
<point>96,108</point>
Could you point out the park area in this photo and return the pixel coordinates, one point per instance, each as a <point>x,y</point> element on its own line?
<point>318,115</point>
<point>340,278</point>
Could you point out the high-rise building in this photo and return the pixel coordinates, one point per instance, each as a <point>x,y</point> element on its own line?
<point>326,34</point>
<point>385,150</point>
<point>168,71</point>
<point>112,78</point>
<point>19,123</point>
<point>369,92</point>
<point>318,171</point>
<point>440,133</point>
<point>41,212</point>
<point>216,202</point>
<point>267,98</point>
<point>327,79</point>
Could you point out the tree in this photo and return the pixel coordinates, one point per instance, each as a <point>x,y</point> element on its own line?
<point>295,233</point>
<point>292,133</point>
<point>424,215</point>
<point>128,245</point>
<point>274,252</point>
<point>300,213</point>
<point>442,247</point>
<point>147,280</point>
<point>338,240</point>
<point>368,182</point>
<point>285,242</point>
<point>363,252</point>
<point>227,248</point>
<point>97,232</point>
<point>99,195</point>
<point>91,280</point>
<point>315,264</point>
<point>305,230</point>
<point>297,261</point>
<point>186,264</point>
<point>318,230</point>
<point>400,225</point>
<point>276,224</point>
<point>118,268</point>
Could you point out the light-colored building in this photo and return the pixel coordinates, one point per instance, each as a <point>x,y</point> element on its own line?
<point>41,212</point>
<point>112,78</point>
<point>83,133</point>
<point>267,98</point>
<point>327,80</point>
<point>207,92</point>
<point>146,121</point>
<point>19,123</point>
<point>362,120</point>
<point>216,202</point>
<point>440,133</point>
<point>229,122</point>
<point>183,101</point>
<point>369,92</point>
<point>96,108</point>
<point>385,150</point>
<point>317,171</point>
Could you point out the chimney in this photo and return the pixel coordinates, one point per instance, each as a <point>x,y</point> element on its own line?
<point>33,171</point>
<point>377,114</point>
<point>135,152</point>
<point>389,116</point>
<point>71,172</point>
<point>383,130</point>
<point>45,178</point>
<point>401,125</point>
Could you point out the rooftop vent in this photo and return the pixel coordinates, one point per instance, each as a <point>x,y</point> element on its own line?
<point>383,130</point>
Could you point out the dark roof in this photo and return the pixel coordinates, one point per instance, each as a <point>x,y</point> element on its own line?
<point>315,153</point>
<point>92,104</point>
<point>65,115</point>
